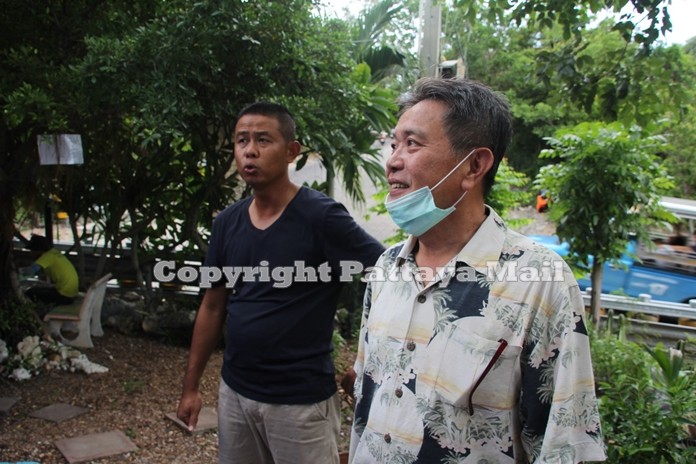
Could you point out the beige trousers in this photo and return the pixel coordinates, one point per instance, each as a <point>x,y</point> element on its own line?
<point>250,432</point>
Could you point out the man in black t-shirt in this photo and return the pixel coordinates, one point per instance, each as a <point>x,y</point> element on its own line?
<point>284,253</point>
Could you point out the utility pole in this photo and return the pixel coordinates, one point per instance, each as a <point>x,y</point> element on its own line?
<point>430,17</point>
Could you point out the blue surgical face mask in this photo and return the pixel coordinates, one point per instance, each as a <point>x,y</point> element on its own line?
<point>416,212</point>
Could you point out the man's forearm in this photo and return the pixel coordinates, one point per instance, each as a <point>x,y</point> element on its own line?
<point>206,333</point>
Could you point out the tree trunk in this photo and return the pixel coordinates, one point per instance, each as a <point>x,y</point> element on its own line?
<point>596,294</point>
<point>77,241</point>
<point>9,285</point>
<point>135,256</point>
<point>330,184</point>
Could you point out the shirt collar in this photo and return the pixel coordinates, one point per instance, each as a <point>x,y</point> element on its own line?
<point>485,246</point>
<point>487,243</point>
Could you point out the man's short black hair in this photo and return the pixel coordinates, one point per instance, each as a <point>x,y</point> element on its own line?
<point>38,243</point>
<point>476,116</point>
<point>285,119</point>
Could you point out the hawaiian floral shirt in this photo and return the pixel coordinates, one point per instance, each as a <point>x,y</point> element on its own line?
<point>487,363</point>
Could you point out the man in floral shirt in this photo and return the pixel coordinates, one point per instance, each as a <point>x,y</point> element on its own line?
<point>473,347</point>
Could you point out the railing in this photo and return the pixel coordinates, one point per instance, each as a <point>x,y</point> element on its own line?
<point>646,305</point>
<point>650,331</point>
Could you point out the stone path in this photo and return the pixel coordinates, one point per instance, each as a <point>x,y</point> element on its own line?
<point>99,445</point>
<point>59,412</point>
<point>6,403</point>
<point>95,446</point>
<point>207,420</point>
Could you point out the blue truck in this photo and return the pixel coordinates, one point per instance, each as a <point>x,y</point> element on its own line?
<point>665,272</point>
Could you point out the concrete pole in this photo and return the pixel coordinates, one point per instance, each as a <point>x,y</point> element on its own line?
<point>430,18</point>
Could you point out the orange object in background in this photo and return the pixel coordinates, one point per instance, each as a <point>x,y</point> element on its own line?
<point>542,201</point>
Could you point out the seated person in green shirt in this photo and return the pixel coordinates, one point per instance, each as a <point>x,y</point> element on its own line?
<point>57,268</point>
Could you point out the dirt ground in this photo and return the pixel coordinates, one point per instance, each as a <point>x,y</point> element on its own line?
<point>142,385</point>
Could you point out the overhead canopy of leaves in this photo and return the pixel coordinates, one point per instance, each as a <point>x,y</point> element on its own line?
<point>640,21</point>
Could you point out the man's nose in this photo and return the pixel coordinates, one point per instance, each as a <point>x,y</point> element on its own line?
<point>250,150</point>
<point>394,161</point>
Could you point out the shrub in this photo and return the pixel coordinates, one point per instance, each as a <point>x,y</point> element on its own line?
<point>647,396</point>
<point>17,321</point>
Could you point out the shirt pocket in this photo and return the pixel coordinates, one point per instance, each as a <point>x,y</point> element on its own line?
<point>465,369</point>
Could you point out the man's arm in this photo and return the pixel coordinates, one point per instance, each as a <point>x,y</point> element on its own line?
<point>348,383</point>
<point>30,270</point>
<point>346,241</point>
<point>206,333</point>
<point>558,405</point>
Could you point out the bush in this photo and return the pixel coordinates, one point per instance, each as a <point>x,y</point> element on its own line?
<point>17,321</point>
<point>647,396</point>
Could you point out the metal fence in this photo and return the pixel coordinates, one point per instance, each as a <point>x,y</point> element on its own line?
<point>646,330</point>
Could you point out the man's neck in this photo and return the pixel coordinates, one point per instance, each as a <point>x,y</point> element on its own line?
<point>442,243</point>
<point>269,204</point>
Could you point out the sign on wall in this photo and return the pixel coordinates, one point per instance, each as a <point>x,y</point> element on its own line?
<point>60,149</point>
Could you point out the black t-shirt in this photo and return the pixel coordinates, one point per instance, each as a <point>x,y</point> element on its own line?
<point>280,314</point>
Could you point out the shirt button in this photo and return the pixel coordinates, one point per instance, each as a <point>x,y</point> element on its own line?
<point>399,392</point>
<point>410,346</point>
<point>421,298</point>
<point>387,438</point>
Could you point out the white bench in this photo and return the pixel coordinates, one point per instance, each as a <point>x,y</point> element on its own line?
<point>85,313</point>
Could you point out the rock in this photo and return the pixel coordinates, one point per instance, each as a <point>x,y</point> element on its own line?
<point>87,366</point>
<point>165,322</point>
<point>131,313</point>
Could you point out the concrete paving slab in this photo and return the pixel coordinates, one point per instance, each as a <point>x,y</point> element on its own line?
<point>6,403</point>
<point>95,446</point>
<point>207,420</point>
<point>58,412</point>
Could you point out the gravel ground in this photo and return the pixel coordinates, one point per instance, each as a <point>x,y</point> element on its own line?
<point>142,385</point>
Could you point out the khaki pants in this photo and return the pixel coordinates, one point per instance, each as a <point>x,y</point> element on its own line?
<point>251,432</point>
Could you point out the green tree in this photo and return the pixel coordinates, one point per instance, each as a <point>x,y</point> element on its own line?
<point>369,47</point>
<point>154,95</point>
<point>39,45</point>
<point>606,187</point>
<point>509,192</point>
<point>643,23</point>
<point>559,67</point>
<point>680,160</point>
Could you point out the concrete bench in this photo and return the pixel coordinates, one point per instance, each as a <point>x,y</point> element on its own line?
<point>84,313</point>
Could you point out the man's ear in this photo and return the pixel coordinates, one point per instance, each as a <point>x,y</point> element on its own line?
<point>480,163</point>
<point>294,149</point>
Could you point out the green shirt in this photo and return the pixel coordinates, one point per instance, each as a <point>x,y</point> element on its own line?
<point>60,271</point>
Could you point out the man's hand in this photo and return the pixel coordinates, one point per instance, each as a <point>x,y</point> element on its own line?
<point>190,406</point>
<point>206,333</point>
<point>348,382</point>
